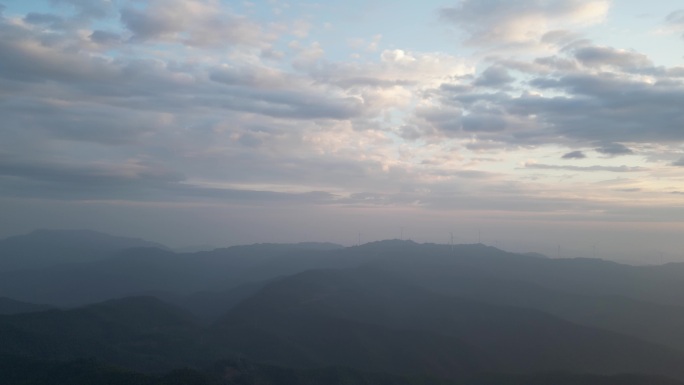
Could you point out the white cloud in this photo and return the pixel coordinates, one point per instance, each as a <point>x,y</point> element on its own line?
<point>502,22</point>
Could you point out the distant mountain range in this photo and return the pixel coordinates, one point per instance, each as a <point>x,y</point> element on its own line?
<point>43,248</point>
<point>404,311</point>
<point>10,306</point>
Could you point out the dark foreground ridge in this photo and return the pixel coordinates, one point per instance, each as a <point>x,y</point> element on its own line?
<point>26,371</point>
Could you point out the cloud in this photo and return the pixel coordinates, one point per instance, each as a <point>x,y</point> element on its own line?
<point>35,55</point>
<point>676,17</point>
<point>105,38</point>
<point>67,180</point>
<point>82,121</point>
<point>192,23</point>
<point>614,149</point>
<point>605,107</point>
<point>501,22</point>
<point>485,121</point>
<point>43,19</point>
<point>131,180</point>
<point>253,76</point>
<point>89,8</point>
<point>679,162</point>
<point>585,168</point>
<point>574,155</point>
<point>675,20</point>
<point>494,76</point>
<point>594,56</point>
<point>292,103</point>
<point>395,68</point>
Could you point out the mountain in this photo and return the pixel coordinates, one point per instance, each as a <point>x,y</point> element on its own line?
<point>586,276</point>
<point>643,301</point>
<point>10,306</point>
<point>649,321</point>
<point>138,332</point>
<point>43,248</point>
<point>26,371</point>
<point>351,318</point>
<point>145,270</point>
<point>126,273</point>
<point>208,306</point>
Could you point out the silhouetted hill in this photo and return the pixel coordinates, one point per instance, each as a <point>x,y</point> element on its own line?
<point>43,248</point>
<point>26,371</point>
<point>10,306</point>
<point>208,306</point>
<point>139,332</point>
<point>294,317</point>
<point>307,340</point>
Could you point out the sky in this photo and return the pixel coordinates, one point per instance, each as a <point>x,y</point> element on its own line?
<point>553,126</point>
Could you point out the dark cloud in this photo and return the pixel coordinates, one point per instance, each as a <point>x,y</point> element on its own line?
<point>232,195</point>
<point>447,119</point>
<point>43,19</point>
<point>88,8</point>
<point>260,77</point>
<point>484,122</point>
<point>615,149</point>
<point>292,104</point>
<point>465,174</point>
<point>192,24</point>
<point>132,181</point>
<point>60,180</point>
<point>605,108</point>
<point>26,59</point>
<point>554,63</point>
<point>250,140</point>
<point>486,145</point>
<point>494,76</point>
<point>585,168</point>
<point>81,122</point>
<point>679,162</point>
<point>147,25</point>
<point>104,37</point>
<point>372,82</point>
<point>597,56</point>
<point>574,155</point>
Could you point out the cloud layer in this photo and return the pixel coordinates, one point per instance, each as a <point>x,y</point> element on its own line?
<point>207,102</point>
